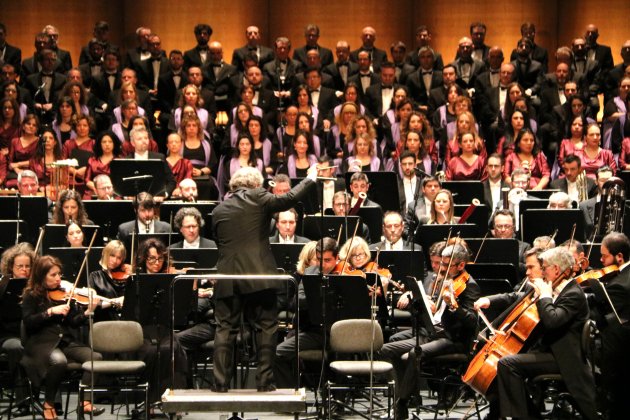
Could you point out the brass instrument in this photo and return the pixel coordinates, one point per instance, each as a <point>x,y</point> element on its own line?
<point>441,176</point>
<point>611,207</point>
<point>582,188</point>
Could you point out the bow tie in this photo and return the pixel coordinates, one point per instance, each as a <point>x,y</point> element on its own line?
<point>219,65</point>
<point>309,48</point>
<point>386,87</point>
<point>429,72</point>
<point>366,75</point>
<point>202,47</point>
<point>314,90</point>
<point>494,71</point>
<point>342,64</point>
<point>466,60</point>
<point>155,59</point>
<point>47,75</point>
<point>502,88</point>
<point>252,48</point>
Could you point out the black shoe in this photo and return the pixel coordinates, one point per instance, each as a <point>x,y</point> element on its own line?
<point>22,411</point>
<point>59,409</point>
<point>219,388</point>
<point>400,410</point>
<point>266,388</point>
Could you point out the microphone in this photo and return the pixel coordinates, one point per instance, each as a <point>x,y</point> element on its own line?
<point>40,88</point>
<point>420,172</point>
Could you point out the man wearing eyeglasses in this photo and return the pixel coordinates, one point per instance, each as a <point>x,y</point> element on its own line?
<point>563,310</point>
<point>503,227</point>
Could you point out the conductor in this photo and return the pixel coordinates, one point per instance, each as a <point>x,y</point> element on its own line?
<point>241,228</point>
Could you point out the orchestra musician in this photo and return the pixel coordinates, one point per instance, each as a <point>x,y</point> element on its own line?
<point>311,336</point>
<point>51,334</point>
<point>454,321</point>
<point>393,227</point>
<point>356,253</point>
<point>615,252</point>
<point>563,310</point>
<point>111,280</point>
<point>16,263</point>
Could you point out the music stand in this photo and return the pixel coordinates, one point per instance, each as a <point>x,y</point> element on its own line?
<point>494,249</point>
<point>529,204</point>
<point>348,299</point>
<point>383,189</point>
<point>421,313</point>
<point>130,177</point>
<point>427,235</point>
<point>286,255</point>
<point>541,194</point>
<point>109,214</point>
<point>399,263</point>
<point>372,216</point>
<point>201,257</point>
<point>72,258</point>
<point>55,236</point>
<point>479,216</point>
<point>141,237</point>
<point>535,222</point>
<point>82,156</point>
<point>332,224</point>
<point>10,230</point>
<point>149,295</point>
<point>494,271</point>
<point>33,211</point>
<point>464,191</point>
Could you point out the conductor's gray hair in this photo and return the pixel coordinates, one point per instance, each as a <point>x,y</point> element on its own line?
<point>247,177</point>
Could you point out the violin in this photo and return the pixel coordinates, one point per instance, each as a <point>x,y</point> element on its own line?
<point>373,267</point>
<point>598,274</point>
<point>122,273</point>
<point>80,296</point>
<point>345,269</point>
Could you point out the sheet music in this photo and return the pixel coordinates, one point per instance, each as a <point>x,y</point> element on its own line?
<point>437,318</point>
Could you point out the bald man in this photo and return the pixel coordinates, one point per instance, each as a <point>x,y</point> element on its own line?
<point>368,38</point>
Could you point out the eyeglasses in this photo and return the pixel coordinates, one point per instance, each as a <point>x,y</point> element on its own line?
<point>22,266</point>
<point>504,227</point>
<point>153,260</point>
<point>359,256</point>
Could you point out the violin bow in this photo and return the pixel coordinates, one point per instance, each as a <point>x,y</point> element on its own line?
<point>434,287</point>
<point>345,261</point>
<point>483,241</point>
<point>83,263</point>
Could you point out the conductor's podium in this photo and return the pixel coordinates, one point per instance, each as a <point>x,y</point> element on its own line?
<point>235,400</point>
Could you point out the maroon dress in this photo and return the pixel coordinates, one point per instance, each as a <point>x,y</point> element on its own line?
<point>19,153</point>
<point>624,156</point>
<point>504,150</point>
<point>71,144</point>
<point>459,170</point>
<point>181,170</point>
<point>8,134</point>
<point>538,167</point>
<point>590,166</point>
<point>452,150</point>
<point>566,148</point>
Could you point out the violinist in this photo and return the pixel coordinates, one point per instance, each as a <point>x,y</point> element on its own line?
<point>454,320</point>
<point>15,264</point>
<point>311,336</point>
<point>111,280</point>
<point>357,253</point>
<point>52,335</point>
<point>435,258</point>
<point>615,251</point>
<point>579,256</point>
<point>563,310</point>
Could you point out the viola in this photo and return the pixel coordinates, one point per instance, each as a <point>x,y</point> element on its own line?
<point>372,267</point>
<point>346,270</point>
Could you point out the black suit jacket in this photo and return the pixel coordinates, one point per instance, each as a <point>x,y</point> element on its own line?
<point>271,70</point>
<point>29,66</point>
<point>192,58</point>
<point>203,243</point>
<point>66,60</point>
<point>132,59</point>
<point>417,88</point>
<point>562,185</point>
<point>589,214</point>
<point>477,67</point>
<point>327,103</point>
<point>100,86</point>
<point>13,56</point>
<point>333,70</point>
<point>531,78</point>
<point>325,55</point>
<point>374,99</point>
<point>239,54</point>
<point>603,55</point>
<point>126,229</point>
<point>145,72</point>
<point>356,79</point>
<point>167,91</point>
<point>275,239</point>
<point>34,81</point>
<point>378,57</point>
<point>487,194</point>
<point>241,225</point>
<point>538,53</point>
<point>220,85</point>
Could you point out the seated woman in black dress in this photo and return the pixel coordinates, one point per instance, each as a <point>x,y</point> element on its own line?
<point>51,334</point>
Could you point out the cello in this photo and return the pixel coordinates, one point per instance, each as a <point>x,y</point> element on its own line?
<point>508,339</point>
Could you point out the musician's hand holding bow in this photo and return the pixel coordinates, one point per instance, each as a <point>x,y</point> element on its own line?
<point>481,303</point>
<point>542,288</point>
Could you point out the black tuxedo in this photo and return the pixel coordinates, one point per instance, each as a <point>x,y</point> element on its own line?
<point>192,58</point>
<point>374,99</point>
<point>538,53</point>
<point>591,75</point>
<point>610,81</point>
<point>167,90</point>
<point>327,103</point>
<point>531,78</point>
<point>590,210</point>
<point>437,98</point>
<point>487,194</point>
<point>484,52</point>
<point>562,185</point>
<point>327,80</point>
<point>13,56</point>
<point>86,72</point>
<point>325,55</point>
<point>297,239</point>
<point>381,245</point>
<point>34,81</point>
<point>413,59</point>
<point>333,70</point>
<point>549,97</point>
<point>378,57</point>
<point>132,59</point>
<point>30,66</point>
<point>417,88</point>
<point>239,54</point>
<point>272,68</point>
<point>100,86</point>
<point>220,84</point>
<point>126,229</point>
<point>356,79</point>
<point>145,71</point>
<point>603,55</point>
<point>476,68</point>
<point>203,243</point>
<point>66,60</point>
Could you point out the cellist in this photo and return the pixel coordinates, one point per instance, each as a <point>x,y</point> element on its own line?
<point>615,251</point>
<point>455,326</point>
<point>555,345</point>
